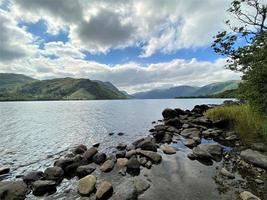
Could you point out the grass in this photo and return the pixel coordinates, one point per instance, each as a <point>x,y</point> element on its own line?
<point>248,124</point>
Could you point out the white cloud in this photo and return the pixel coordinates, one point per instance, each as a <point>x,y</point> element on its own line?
<point>15,42</point>
<point>131,77</point>
<point>157,25</point>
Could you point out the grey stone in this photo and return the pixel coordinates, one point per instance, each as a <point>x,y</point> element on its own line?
<point>248,196</point>
<point>13,190</point>
<point>43,187</point>
<point>254,157</point>
<point>104,191</point>
<point>87,185</point>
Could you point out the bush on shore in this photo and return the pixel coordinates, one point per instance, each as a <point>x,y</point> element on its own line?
<point>247,123</point>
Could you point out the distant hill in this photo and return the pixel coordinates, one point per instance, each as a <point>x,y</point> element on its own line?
<point>8,80</point>
<point>167,93</point>
<point>215,88</point>
<point>188,91</point>
<point>62,89</point>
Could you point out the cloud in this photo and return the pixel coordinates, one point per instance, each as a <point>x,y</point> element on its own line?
<point>131,77</point>
<point>156,26</point>
<point>15,42</point>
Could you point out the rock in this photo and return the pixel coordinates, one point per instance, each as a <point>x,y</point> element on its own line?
<point>13,190</point>
<point>173,129</point>
<point>141,185</point>
<point>148,164</point>
<point>32,177</point>
<point>88,155</point>
<point>147,144</point>
<point>167,138</point>
<point>190,132</point>
<point>84,170</point>
<point>4,170</point>
<point>169,113</point>
<point>155,157</point>
<point>142,161</point>
<point>248,196</point>
<point>231,138</point>
<point>259,181</point>
<point>133,164</point>
<point>80,149</point>
<point>99,158</point>
<point>122,162</point>
<point>175,122</point>
<point>120,154</point>
<point>121,146</point>
<point>64,162</point>
<point>129,154</point>
<point>87,185</point>
<point>96,145</point>
<point>180,111</point>
<point>209,133</point>
<point>202,121</point>
<point>189,143</point>
<point>226,173</point>
<point>104,191</point>
<point>167,149</point>
<point>208,151</point>
<point>107,166</point>
<point>120,134</point>
<point>110,134</point>
<point>200,109</point>
<point>43,187</point>
<point>254,157</point>
<point>54,174</point>
<point>191,156</point>
<point>185,126</point>
<point>126,191</point>
<point>130,147</point>
<point>259,147</point>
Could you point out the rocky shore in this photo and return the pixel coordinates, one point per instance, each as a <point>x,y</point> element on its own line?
<point>152,167</point>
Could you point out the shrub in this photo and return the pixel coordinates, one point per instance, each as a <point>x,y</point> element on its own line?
<point>247,123</point>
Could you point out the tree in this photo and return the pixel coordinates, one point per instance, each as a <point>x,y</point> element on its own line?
<point>246,49</point>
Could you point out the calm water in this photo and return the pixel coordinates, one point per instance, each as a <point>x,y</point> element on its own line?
<point>32,134</point>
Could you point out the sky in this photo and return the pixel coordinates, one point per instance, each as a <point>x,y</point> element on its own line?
<point>137,45</point>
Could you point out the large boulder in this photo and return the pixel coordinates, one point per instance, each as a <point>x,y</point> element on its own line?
<point>104,190</point>
<point>169,113</point>
<point>43,187</point>
<point>99,158</point>
<point>190,133</point>
<point>202,121</point>
<point>87,185</point>
<point>88,155</point>
<point>208,151</point>
<point>54,174</point>
<point>248,196</point>
<point>175,122</point>
<point>80,149</point>
<point>13,190</point>
<point>133,166</point>
<point>107,166</point>
<point>141,185</point>
<point>200,109</point>
<point>254,157</point>
<point>153,156</point>
<point>84,170</point>
<point>32,177</point>
<point>64,162</point>
<point>147,144</point>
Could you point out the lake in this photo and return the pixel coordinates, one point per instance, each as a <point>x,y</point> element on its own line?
<point>32,134</point>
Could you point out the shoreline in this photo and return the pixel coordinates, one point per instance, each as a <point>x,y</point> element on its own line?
<point>161,145</point>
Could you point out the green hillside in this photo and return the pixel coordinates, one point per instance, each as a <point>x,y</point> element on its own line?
<point>62,89</point>
<point>8,80</point>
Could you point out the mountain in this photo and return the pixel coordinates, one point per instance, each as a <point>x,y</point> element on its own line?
<point>167,93</point>
<point>187,91</point>
<point>215,88</point>
<point>8,80</point>
<point>62,89</point>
